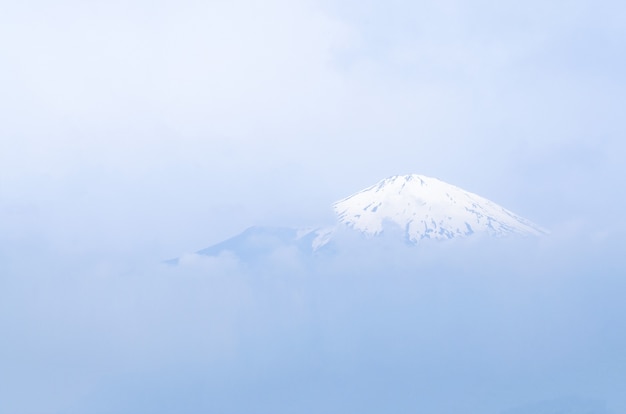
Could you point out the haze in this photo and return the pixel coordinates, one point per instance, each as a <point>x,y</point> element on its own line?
<point>132,132</point>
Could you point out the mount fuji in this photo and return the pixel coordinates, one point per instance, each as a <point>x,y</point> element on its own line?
<point>420,208</point>
<point>427,208</point>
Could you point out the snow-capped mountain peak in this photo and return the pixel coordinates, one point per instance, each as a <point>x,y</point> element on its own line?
<point>427,208</point>
<point>421,207</point>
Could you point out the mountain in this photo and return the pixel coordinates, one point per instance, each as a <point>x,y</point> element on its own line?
<point>427,208</point>
<point>257,243</point>
<point>418,207</point>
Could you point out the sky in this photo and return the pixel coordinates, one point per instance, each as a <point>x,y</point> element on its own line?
<point>133,131</point>
<point>179,124</point>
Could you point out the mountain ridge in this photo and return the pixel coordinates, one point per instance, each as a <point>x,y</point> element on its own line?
<point>417,207</point>
<point>428,208</point>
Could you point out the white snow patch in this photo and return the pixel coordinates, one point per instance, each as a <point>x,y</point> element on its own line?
<point>428,208</point>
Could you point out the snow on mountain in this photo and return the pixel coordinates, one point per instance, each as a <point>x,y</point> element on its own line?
<point>427,208</point>
<point>421,207</point>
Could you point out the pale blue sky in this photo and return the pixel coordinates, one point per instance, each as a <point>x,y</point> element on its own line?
<point>190,120</point>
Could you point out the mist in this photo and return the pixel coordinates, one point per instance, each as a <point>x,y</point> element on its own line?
<point>134,132</point>
<point>480,326</point>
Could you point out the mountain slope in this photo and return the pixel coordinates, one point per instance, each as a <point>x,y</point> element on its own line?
<point>427,208</point>
<point>420,207</point>
<point>257,243</point>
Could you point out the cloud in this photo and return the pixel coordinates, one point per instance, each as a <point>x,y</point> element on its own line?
<point>483,325</point>
<point>223,264</point>
<point>132,132</point>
